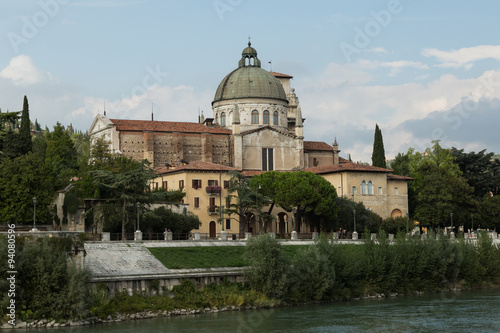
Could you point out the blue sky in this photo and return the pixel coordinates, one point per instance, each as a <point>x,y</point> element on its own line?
<point>422,70</point>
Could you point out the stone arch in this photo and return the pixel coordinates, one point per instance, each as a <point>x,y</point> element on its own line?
<point>397,213</point>
<point>282,223</point>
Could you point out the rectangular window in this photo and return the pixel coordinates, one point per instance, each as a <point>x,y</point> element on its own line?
<point>156,186</point>
<point>181,184</point>
<point>267,159</point>
<point>165,185</point>
<point>226,184</point>
<point>354,191</point>
<point>228,223</point>
<point>395,191</point>
<point>212,182</point>
<point>380,190</point>
<point>212,201</point>
<point>228,202</point>
<point>196,203</point>
<point>196,183</point>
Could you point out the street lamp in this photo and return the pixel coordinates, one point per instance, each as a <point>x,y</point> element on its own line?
<point>138,205</point>
<point>472,220</point>
<point>451,217</point>
<point>34,213</point>
<point>222,217</point>
<point>354,215</point>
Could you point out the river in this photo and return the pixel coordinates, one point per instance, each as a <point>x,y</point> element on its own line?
<point>469,311</point>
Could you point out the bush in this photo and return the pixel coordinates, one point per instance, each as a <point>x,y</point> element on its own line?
<point>269,268</point>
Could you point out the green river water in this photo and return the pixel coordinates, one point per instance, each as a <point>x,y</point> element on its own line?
<point>476,311</point>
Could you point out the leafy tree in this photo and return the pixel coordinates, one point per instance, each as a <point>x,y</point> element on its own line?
<point>157,220</point>
<point>481,171</point>
<point>21,179</point>
<point>244,200</point>
<point>60,156</point>
<point>378,155</point>
<point>311,194</point>
<point>365,219</point>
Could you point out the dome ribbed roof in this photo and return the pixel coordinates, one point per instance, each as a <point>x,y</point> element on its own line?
<point>249,81</point>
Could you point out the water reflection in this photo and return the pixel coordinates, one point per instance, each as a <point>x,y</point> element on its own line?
<point>451,312</point>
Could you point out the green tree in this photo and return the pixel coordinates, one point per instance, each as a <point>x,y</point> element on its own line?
<point>378,155</point>
<point>25,145</point>
<point>365,219</point>
<point>161,218</point>
<point>60,156</point>
<point>481,171</point>
<point>311,195</point>
<point>243,200</point>
<point>21,179</point>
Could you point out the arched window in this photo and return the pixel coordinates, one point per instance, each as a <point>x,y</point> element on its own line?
<point>363,187</point>
<point>370,187</point>
<point>275,118</point>
<point>216,118</point>
<point>255,117</point>
<point>223,119</point>
<point>265,117</point>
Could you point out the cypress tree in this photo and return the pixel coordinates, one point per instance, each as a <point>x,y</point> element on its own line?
<point>25,145</point>
<point>378,155</point>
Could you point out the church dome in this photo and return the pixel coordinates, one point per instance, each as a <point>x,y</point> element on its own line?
<point>249,80</point>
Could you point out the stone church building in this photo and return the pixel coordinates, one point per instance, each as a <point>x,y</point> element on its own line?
<point>257,125</point>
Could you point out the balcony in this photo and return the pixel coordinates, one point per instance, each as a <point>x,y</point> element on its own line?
<point>213,210</point>
<point>213,189</point>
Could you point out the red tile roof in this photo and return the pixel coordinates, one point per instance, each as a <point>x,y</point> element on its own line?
<point>196,166</point>
<point>167,126</point>
<point>398,177</point>
<point>276,74</point>
<point>317,145</point>
<point>346,166</point>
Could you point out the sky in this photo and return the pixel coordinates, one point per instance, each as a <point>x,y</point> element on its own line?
<point>421,70</point>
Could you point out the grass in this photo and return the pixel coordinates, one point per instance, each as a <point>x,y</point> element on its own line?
<point>209,257</point>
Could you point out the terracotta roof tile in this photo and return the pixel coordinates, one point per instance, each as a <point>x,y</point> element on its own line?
<point>346,166</point>
<point>317,145</point>
<point>196,166</point>
<point>166,126</point>
<point>398,177</point>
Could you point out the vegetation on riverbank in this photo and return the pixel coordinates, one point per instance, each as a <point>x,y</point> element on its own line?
<point>278,275</point>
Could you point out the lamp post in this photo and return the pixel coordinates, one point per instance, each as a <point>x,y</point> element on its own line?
<point>138,205</point>
<point>452,234</point>
<point>472,220</point>
<point>222,216</point>
<point>354,233</point>
<point>34,213</point>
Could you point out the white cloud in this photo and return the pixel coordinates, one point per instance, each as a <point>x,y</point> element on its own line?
<point>22,71</point>
<point>395,66</point>
<point>344,102</point>
<point>463,57</point>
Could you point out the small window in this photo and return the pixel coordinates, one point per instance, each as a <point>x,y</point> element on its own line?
<point>181,184</point>
<point>196,183</point>
<point>223,119</point>
<point>275,118</point>
<point>212,182</point>
<point>395,191</point>
<point>216,118</point>
<point>255,117</point>
<point>226,184</point>
<point>354,190</point>
<point>228,202</point>
<point>165,185</point>
<point>265,117</point>
<point>212,201</point>
<point>156,186</point>
<point>196,202</point>
<point>228,223</point>
<point>380,190</point>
